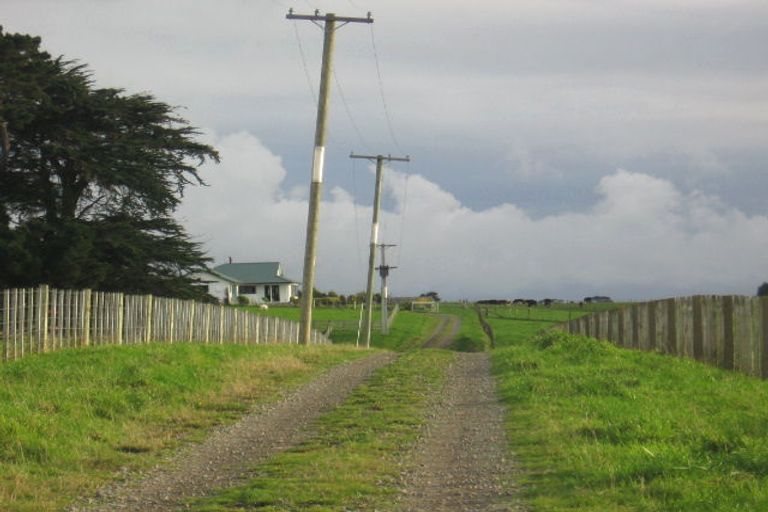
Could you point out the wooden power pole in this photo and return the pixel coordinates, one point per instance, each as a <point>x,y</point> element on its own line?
<point>316,187</point>
<point>374,235</point>
<point>384,274</point>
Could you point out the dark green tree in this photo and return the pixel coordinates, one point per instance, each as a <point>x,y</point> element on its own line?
<point>762,290</point>
<point>89,180</point>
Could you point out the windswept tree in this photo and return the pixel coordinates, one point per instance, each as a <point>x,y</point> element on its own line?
<point>90,178</point>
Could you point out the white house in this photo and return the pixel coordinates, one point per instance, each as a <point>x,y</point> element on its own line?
<point>258,282</point>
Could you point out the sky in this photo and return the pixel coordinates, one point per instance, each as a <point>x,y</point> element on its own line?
<point>559,148</point>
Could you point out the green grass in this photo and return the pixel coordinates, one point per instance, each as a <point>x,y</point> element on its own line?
<point>408,331</point>
<point>515,324</point>
<point>470,337</point>
<point>352,461</point>
<point>599,428</point>
<point>69,420</point>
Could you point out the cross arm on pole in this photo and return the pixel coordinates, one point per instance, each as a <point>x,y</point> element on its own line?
<point>326,17</point>
<point>388,158</point>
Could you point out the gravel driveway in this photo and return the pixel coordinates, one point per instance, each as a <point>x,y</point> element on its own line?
<point>461,463</point>
<point>225,458</point>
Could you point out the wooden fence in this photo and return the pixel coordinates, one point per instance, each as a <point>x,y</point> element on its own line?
<point>42,319</point>
<point>727,331</point>
<point>329,326</point>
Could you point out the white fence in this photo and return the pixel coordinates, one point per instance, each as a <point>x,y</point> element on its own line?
<point>42,319</point>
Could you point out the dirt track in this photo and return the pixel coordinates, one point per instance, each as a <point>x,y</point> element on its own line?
<point>461,463</point>
<point>225,457</point>
<point>445,332</point>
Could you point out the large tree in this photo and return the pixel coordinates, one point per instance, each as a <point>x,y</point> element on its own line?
<point>89,180</point>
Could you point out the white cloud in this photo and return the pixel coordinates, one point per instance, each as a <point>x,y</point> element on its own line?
<point>642,237</point>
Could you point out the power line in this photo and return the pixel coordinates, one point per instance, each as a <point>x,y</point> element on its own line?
<point>402,215</point>
<point>357,226</point>
<point>304,62</point>
<point>348,111</point>
<point>354,4</point>
<point>381,92</point>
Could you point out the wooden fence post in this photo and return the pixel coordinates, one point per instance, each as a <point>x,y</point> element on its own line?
<point>221,324</point>
<point>15,305</point>
<point>192,310</point>
<point>6,325</point>
<point>635,334</point>
<point>764,337</point>
<point>148,318</point>
<point>208,309</point>
<point>726,361</point>
<point>120,318</point>
<point>671,337</point>
<point>29,302</point>
<point>698,327</point>
<point>85,318</point>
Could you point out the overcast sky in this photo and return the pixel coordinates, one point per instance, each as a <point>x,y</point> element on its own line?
<point>561,148</point>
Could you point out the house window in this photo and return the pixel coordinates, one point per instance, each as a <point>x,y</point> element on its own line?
<point>272,293</point>
<point>246,290</point>
<point>204,287</point>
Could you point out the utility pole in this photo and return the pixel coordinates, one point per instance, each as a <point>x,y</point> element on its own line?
<point>374,235</point>
<point>383,274</point>
<point>316,187</point>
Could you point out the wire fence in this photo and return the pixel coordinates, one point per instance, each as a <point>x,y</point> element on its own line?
<point>43,319</point>
<point>727,331</point>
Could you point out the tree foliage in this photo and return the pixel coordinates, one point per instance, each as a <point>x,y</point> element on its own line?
<point>89,180</point>
<point>762,290</point>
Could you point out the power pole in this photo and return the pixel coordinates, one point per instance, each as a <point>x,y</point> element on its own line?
<point>316,187</point>
<point>374,235</point>
<point>383,274</point>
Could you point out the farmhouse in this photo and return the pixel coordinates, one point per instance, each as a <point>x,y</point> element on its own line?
<point>259,282</point>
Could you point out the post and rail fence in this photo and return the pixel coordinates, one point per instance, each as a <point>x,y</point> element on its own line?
<point>730,331</point>
<point>43,319</point>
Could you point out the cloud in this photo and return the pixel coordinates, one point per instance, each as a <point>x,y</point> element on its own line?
<point>642,238</point>
<point>525,94</point>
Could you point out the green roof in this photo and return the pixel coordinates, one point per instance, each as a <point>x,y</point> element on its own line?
<point>252,273</point>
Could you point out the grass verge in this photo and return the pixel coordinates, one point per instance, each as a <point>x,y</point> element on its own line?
<point>351,463</point>
<point>69,420</point>
<point>599,428</point>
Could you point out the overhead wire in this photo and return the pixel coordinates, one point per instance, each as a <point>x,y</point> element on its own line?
<point>359,134</point>
<point>387,114</point>
<point>393,136</point>
<point>351,118</point>
<point>303,55</point>
<point>360,266</point>
<point>354,4</point>
<point>403,209</point>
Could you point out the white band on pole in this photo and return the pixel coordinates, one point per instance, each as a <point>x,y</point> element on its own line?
<point>374,232</point>
<point>317,164</point>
